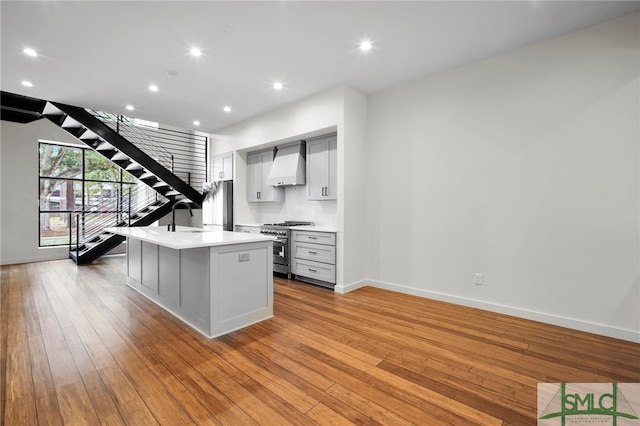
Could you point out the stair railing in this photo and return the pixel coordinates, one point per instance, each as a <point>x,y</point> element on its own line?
<point>180,152</point>
<point>125,127</point>
<point>105,212</point>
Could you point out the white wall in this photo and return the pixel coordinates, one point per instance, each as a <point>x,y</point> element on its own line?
<point>19,191</point>
<point>352,208</point>
<point>523,167</point>
<point>339,109</point>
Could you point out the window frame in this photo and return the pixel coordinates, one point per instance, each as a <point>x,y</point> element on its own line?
<point>82,180</point>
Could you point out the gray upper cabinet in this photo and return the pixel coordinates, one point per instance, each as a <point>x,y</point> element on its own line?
<point>222,167</point>
<point>322,161</point>
<point>258,166</point>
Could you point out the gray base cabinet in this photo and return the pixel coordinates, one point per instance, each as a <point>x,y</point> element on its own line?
<point>313,257</point>
<point>214,289</point>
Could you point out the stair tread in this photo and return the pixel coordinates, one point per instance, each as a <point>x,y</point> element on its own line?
<point>50,109</point>
<point>88,135</point>
<point>133,166</point>
<point>147,175</point>
<point>120,156</point>
<point>105,146</point>
<point>70,123</point>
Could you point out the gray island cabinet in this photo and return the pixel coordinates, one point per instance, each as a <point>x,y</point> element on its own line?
<point>215,281</point>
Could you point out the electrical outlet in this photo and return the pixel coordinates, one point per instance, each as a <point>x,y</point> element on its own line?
<point>244,257</point>
<point>478,279</point>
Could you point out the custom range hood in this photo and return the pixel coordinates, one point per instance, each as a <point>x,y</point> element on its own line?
<point>289,166</point>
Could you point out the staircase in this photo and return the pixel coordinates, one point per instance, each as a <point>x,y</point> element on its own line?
<point>105,133</point>
<point>140,205</point>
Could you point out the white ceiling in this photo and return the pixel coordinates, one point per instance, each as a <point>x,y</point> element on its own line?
<point>104,55</point>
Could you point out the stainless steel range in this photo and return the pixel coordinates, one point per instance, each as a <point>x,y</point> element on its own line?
<point>282,245</point>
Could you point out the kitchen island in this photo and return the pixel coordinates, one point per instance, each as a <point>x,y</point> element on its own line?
<point>215,281</point>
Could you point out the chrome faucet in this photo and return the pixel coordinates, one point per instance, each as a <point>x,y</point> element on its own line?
<point>172,226</point>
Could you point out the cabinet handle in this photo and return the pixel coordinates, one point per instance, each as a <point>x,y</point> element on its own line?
<point>313,252</point>
<point>220,174</point>
<point>258,195</point>
<point>313,238</point>
<point>312,270</point>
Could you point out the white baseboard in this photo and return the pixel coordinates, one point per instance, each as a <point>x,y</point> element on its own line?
<point>343,289</point>
<point>589,327</point>
<point>42,258</point>
<point>45,254</point>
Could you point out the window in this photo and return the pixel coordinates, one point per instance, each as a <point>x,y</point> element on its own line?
<point>74,179</point>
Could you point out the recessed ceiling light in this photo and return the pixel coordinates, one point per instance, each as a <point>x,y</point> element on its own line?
<point>278,85</point>
<point>227,109</point>
<point>29,51</point>
<point>196,123</point>
<point>195,51</point>
<point>153,88</point>
<point>130,107</point>
<point>27,83</point>
<point>365,46</point>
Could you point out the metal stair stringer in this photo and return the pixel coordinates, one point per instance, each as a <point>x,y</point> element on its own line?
<point>89,123</point>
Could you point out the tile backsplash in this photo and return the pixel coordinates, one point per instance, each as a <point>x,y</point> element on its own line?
<point>296,207</point>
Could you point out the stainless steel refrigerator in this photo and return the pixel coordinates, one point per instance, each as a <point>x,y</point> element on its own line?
<point>217,206</point>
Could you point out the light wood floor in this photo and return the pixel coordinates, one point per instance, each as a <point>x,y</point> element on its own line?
<point>79,347</point>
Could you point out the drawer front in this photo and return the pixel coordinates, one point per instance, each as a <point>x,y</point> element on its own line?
<point>316,270</point>
<point>317,252</point>
<point>326,238</point>
<point>248,229</point>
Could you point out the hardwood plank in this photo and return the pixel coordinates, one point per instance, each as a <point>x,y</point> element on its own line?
<point>469,396</point>
<point>374,411</point>
<point>19,393</point>
<point>157,355</point>
<point>259,372</point>
<point>247,402</point>
<point>4,323</point>
<point>85,346</point>
<point>282,406</point>
<point>90,350</point>
<point>131,406</point>
<point>63,368</point>
<point>324,415</point>
<point>44,389</point>
<point>75,405</point>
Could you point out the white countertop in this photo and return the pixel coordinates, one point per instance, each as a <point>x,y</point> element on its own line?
<point>297,228</point>
<point>186,237</point>
<point>314,228</point>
